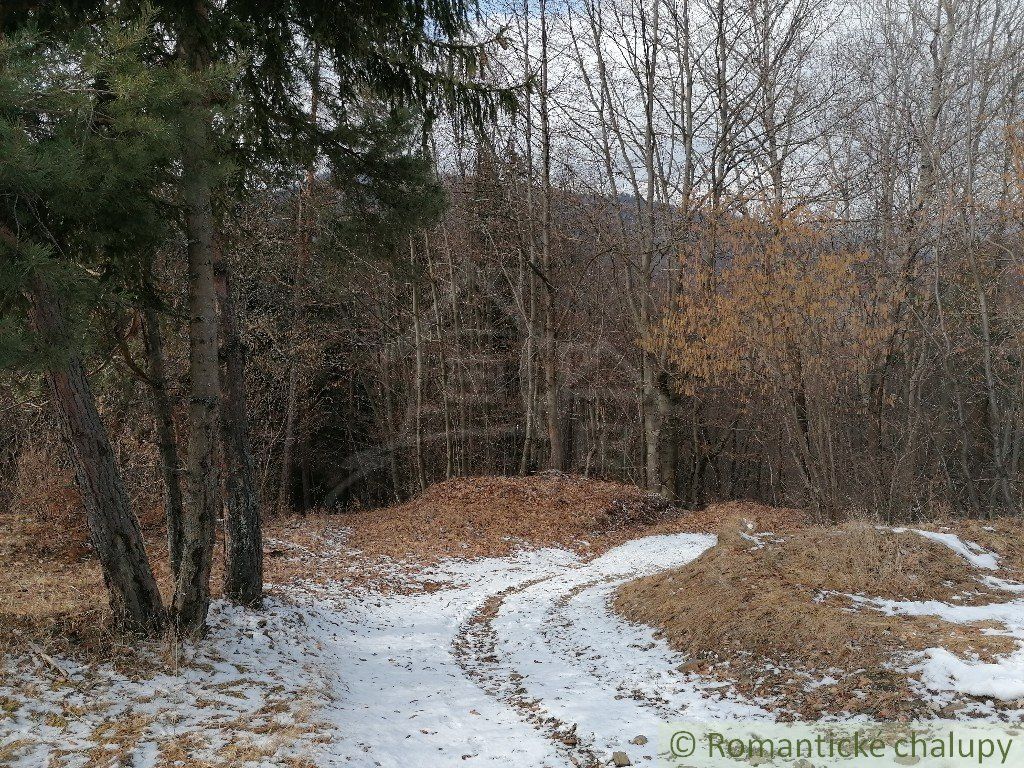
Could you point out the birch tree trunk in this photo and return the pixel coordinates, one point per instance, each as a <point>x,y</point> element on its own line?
<point>417,336</point>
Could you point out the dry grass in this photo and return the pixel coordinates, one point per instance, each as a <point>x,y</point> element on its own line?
<point>755,612</point>
<point>50,592</point>
<point>53,604</point>
<point>53,593</point>
<point>494,516</point>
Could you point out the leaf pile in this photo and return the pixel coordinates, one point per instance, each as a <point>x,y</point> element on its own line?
<point>494,516</point>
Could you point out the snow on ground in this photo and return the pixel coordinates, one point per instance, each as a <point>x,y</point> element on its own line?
<point>943,672</point>
<point>370,679</point>
<point>502,661</point>
<point>977,556</point>
<point>401,697</point>
<point>613,680</point>
<point>245,695</point>
<point>405,697</point>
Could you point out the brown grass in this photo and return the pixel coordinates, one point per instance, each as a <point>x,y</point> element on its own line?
<point>494,516</point>
<point>743,604</point>
<point>53,594</point>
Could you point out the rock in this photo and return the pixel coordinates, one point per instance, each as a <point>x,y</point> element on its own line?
<point>639,740</point>
<point>620,759</point>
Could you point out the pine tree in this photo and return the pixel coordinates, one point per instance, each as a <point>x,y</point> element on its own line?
<point>400,53</point>
<point>87,133</point>
<point>404,56</point>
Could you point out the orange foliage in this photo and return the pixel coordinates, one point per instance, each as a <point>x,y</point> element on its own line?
<point>789,299</point>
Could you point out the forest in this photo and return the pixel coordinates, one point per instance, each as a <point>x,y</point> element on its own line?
<point>305,267</point>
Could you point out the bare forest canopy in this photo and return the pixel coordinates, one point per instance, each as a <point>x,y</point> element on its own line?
<point>721,249</point>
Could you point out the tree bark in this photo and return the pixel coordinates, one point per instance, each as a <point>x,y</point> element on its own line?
<point>113,529</point>
<point>304,224</point>
<point>170,461</point>
<point>658,403</point>
<point>528,260</point>
<point>243,566</point>
<point>285,491</point>
<point>192,588</point>
<point>421,473</point>
<point>556,450</point>
<point>659,428</point>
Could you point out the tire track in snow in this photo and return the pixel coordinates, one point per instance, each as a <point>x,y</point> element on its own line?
<point>475,647</point>
<point>565,613</point>
<point>401,699</point>
<point>553,650</point>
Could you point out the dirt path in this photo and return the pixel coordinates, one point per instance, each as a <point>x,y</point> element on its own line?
<point>514,661</point>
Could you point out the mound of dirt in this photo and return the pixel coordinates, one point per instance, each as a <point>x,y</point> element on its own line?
<point>494,516</point>
<point>772,613</point>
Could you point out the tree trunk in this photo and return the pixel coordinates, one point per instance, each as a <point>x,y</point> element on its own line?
<point>421,473</point>
<point>556,452</point>
<point>10,447</point>
<point>528,260</point>
<point>243,567</point>
<point>442,361</point>
<point>285,491</point>
<point>113,529</point>
<point>652,426</point>
<point>192,589</point>
<point>659,435</point>
<point>304,224</point>
<point>170,461</point>
<point>660,430</point>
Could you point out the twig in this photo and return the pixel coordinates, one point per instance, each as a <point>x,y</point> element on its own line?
<point>48,659</point>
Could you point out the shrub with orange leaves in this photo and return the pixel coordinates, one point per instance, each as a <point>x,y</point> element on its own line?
<point>788,303</point>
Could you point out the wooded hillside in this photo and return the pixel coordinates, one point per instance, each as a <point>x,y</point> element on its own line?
<point>718,249</point>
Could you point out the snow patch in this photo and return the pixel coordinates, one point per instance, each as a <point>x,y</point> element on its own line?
<point>944,671</point>
<point>249,674</point>
<point>976,555</point>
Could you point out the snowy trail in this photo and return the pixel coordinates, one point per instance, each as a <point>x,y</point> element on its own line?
<point>500,669</point>
<point>403,699</point>
<point>515,661</point>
